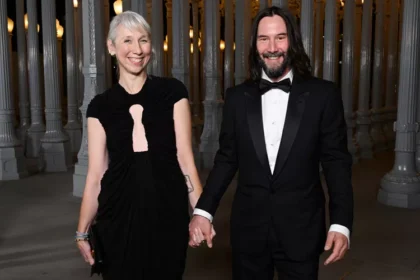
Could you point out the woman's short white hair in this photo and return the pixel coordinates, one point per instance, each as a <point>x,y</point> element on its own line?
<point>131,21</point>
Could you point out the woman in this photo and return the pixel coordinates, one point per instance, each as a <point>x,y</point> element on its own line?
<point>141,167</point>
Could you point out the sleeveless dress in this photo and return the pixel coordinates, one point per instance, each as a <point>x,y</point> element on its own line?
<point>143,211</point>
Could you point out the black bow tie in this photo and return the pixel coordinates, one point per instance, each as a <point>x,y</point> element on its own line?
<point>284,85</point>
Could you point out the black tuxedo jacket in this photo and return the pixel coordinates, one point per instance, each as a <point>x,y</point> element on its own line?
<point>291,201</point>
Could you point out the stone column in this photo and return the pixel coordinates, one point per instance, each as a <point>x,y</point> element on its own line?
<point>37,128</point>
<point>391,75</point>
<point>306,26</point>
<point>263,5</point>
<point>24,113</point>
<point>127,5</point>
<point>357,49</point>
<point>139,6</point>
<point>73,126</point>
<point>280,3</point>
<point>401,186</point>
<point>319,42</point>
<point>94,73</point>
<point>181,46</point>
<point>330,46</point>
<point>12,161</point>
<point>229,55</point>
<point>108,63</point>
<point>55,143</point>
<point>347,85</point>
<point>157,30</point>
<point>196,65</point>
<point>212,102</point>
<point>79,53</point>
<point>242,37</point>
<point>376,132</point>
<point>170,35</point>
<point>363,113</point>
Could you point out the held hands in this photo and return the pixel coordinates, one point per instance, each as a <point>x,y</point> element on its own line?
<point>86,252</point>
<point>201,230</point>
<point>339,243</point>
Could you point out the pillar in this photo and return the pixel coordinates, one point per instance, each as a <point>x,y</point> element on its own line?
<point>94,73</point>
<point>12,161</point>
<point>401,186</point>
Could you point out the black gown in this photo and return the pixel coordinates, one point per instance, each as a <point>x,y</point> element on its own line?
<point>143,211</point>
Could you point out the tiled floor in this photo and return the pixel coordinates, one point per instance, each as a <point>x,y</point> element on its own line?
<point>38,216</point>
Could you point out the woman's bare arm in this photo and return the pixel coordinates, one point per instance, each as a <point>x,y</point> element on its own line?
<point>98,164</point>
<point>182,120</point>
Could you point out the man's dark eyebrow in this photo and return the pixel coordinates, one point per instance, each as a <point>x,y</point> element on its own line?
<point>280,34</point>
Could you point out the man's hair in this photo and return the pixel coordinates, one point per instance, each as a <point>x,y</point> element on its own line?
<point>299,60</point>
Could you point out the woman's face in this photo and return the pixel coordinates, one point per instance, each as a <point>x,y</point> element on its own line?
<point>132,49</point>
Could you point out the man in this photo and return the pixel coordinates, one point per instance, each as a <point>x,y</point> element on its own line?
<point>276,129</point>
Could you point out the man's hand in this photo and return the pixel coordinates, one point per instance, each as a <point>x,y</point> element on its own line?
<point>200,229</point>
<point>339,243</point>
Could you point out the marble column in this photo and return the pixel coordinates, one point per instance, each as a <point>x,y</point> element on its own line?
<point>181,46</point>
<point>376,131</point>
<point>212,86</point>
<point>79,52</point>
<point>347,84</point>
<point>357,49</point>
<point>306,26</point>
<point>280,3</point>
<point>168,5</point>
<point>108,62</point>
<point>363,113</point>
<point>55,143</point>
<point>73,126</point>
<point>25,120</point>
<point>94,73</point>
<point>391,75</point>
<point>401,186</point>
<point>12,161</point>
<point>319,42</point>
<point>229,62</point>
<point>196,65</point>
<point>37,128</point>
<point>263,5</point>
<point>139,6</point>
<point>157,30</point>
<point>330,47</point>
<point>242,37</point>
<point>127,5</point>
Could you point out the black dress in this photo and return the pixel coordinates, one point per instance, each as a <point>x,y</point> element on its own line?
<point>143,212</point>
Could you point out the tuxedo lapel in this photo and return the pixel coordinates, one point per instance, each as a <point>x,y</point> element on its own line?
<point>295,109</point>
<point>255,123</point>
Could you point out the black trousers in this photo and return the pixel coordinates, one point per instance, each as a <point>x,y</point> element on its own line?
<point>260,266</point>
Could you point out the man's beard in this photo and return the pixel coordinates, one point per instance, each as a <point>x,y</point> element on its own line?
<point>277,71</point>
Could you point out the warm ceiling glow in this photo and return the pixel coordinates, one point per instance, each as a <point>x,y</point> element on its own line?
<point>222,45</point>
<point>75,3</point>
<point>118,7</point>
<point>25,18</point>
<point>234,46</point>
<point>165,46</point>
<point>199,42</point>
<point>191,32</point>
<point>60,31</point>
<point>191,48</point>
<point>57,23</point>
<point>10,25</point>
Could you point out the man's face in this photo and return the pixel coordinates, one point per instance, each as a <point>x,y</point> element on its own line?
<point>272,46</point>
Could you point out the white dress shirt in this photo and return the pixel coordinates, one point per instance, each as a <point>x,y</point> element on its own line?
<point>274,107</point>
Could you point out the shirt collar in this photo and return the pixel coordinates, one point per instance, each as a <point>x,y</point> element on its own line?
<point>288,75</point>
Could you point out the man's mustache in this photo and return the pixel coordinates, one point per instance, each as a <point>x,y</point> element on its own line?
<point>273,54</point>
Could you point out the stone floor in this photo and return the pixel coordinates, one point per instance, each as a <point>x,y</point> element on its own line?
<point>39,217</point>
